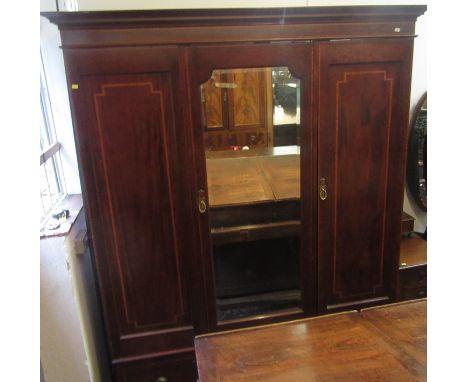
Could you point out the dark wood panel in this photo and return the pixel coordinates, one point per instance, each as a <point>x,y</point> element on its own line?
<point>175,368</point>
<point>413,283</point>
<point>260,266</point>
<point>255,213</point>
<point>387,344</point>
<point>133,119</point>
<point>126,116</point>
<point>362,132</point>
<point>235,16</point>
<point>91,37</point>
<point>233,25</point>
<point>251,232</point>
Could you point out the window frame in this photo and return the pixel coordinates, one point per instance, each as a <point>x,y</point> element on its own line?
<point>50,154</point>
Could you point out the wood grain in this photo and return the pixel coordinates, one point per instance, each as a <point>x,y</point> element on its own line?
<point>237,116</point>
<point>362,135</point>
<point>413,252</point>
<point>213,109</point>
<point>233,25</point>
<point>384,344</point>
<point>233,181</point>
<point>125,116</point>
<point>404,328</point>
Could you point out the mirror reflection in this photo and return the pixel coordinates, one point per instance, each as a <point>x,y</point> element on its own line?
<point>250,108</point>
<point>417,155</point>
<point>251,120</point>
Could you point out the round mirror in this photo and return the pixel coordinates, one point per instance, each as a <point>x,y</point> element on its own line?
<point>416,172</point>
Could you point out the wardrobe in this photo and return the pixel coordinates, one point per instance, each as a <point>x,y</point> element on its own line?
<point>187,239</point>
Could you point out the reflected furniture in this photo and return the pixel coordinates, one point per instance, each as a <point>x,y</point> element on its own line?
<point>237,109</point>
<point>413,248</point>
<point>413,268</point>
<point>176,252</point>
<point>416,172</point>
<point>386,343</point>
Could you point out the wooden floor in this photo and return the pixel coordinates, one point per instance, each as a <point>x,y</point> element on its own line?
<point>378,344</point>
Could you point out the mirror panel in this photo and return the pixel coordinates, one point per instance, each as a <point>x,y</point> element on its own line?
<point>251,120</point>
<point>417,155</point>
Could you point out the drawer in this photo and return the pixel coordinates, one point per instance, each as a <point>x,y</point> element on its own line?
<point>413,283</point>
<point>175,368</point>
<point>413,293</point>
<point>407,223</point>
<point>416,276</point>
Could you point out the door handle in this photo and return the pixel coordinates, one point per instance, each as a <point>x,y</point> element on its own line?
<point>323,189</point>
<point>202,205</point>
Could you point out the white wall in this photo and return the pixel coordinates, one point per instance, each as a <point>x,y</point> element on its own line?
<point>91,5</point>
<point>47,6</point>
<point>63,355</point>
<point>72,333</point>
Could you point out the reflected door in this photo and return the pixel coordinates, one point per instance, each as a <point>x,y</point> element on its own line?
<point>237,109</point>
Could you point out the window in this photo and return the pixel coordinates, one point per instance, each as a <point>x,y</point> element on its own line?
<point>52,186</point>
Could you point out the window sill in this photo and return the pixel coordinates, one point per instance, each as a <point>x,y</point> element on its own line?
<point>74,204</point>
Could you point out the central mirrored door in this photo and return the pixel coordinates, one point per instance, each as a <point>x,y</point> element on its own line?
<point>251,120</point>
<point>256,225</point>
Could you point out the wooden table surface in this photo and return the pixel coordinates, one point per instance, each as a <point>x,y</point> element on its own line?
<point>378,344</point>
<point>254,176</point>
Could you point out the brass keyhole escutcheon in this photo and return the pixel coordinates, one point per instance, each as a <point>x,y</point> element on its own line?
<point>323,189</point>
<point>202,205</point>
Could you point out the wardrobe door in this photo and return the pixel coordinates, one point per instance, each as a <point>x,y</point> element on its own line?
<point>127,113</point>
<point>363,117</point>
<point>255,212</point>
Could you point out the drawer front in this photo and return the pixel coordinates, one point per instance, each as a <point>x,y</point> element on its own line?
<point>179,368</point>
<point>416,276</point>
<point>413,283</point>
<point>414,293</point>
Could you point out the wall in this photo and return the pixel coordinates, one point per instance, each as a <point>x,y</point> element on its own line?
<point>72,334</point>
<point>90,5</point>
<point>63,356</point>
